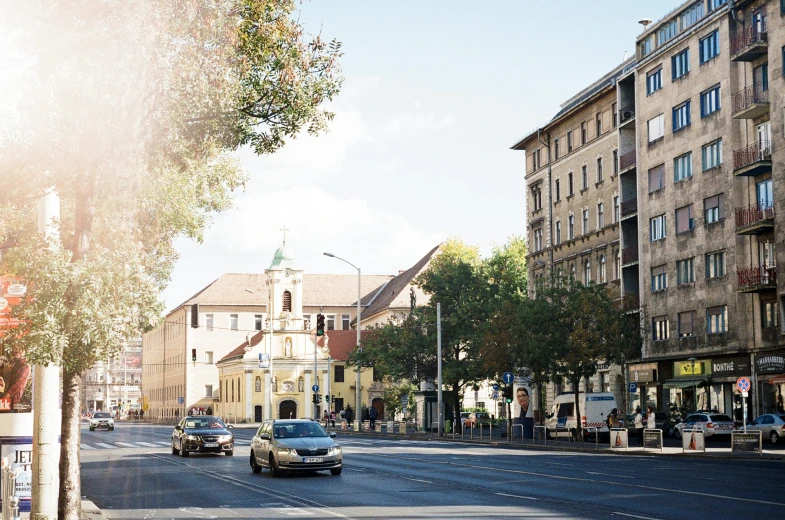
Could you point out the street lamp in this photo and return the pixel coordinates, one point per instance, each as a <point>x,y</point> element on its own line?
<point>359,347</point>
<point>694,386</point>
<point>269,399</point>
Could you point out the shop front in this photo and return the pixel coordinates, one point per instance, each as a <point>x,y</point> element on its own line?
<point>687,390</point>
<point>723,396</point>
<point>770,377</point>
<point>643,386</point>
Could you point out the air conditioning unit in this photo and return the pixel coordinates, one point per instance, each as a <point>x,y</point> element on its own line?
<point>626,115</point>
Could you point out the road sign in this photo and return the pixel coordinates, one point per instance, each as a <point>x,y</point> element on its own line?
<point>315,388</point>
<point>495,395</point>
<point>404,401</point>
<point>743,384</point>
<point>181,400</point>
<point>507,378</point>
<point>632,387</point>
<point>496,387</point>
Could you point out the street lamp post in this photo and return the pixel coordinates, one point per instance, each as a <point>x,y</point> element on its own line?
<point>269,399</point>
<point>357,401</point>
<point>694,386</point>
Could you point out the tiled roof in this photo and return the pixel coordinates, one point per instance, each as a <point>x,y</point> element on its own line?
<point>240,350</point>
<point>341,344</point>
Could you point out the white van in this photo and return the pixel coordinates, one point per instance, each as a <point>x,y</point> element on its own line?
<point>594,408</point>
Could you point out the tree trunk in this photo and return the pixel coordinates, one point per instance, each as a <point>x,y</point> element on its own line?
<point>578,428</point>
<point>69,499</point>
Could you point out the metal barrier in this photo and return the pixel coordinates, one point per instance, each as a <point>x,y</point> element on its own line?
<point>746,441</point>
<point>596,435</point>
<point>543,432</point>
<point>652,439</point>
<point>10,499</point>
<point>619,438</point>
<point>512,432</point>
<point>693,440</point>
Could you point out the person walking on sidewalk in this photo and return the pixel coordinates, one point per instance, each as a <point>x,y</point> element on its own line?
<point>372,414</point>
<point>651,422</point>
<point>639,425</point>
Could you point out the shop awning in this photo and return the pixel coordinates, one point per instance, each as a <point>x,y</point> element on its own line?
<point>777,380</point>
<point>682,382</point>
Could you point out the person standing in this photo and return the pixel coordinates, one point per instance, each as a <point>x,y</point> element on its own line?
<point>372,415</point>
<point>651,422</point>
<point>639,425</point>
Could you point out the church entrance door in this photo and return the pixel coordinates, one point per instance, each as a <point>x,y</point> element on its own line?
<point>257,413</point>
<point>287,410</point>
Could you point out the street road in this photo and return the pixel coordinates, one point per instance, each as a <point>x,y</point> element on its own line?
<point>131,473</point>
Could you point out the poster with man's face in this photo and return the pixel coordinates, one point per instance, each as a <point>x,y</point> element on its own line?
<point>522,405</point>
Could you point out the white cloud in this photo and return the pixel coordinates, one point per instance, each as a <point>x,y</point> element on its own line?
<point>416,125</point>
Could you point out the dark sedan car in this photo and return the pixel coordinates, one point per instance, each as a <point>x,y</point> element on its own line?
<point>202,434</point>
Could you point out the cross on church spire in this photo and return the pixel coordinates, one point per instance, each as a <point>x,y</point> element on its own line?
<point>284,229</point>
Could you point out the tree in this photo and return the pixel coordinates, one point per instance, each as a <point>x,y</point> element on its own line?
<point>129,110</point>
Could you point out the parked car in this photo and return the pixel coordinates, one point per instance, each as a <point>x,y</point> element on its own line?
<point>477,420</point>
<point>711,423</point>
<point>101,420</point>
<point>295,444</point>
<point>772,426</point>
<point>202,434</point>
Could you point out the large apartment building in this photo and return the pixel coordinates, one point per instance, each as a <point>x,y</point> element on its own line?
<point>700,221</point>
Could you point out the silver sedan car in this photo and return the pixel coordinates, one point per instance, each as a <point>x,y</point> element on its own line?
<point>771,425</point>
<point>295,444</point>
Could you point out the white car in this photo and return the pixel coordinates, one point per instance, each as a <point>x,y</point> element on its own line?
<point>101,420</point>
<point>710,423</point>
<point>772,426</point>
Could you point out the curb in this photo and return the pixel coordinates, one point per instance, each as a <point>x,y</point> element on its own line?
<point>90,511</point>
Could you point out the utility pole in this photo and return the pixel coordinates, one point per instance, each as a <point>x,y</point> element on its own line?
<point>315,376</point>
<point>46,402</point>
<point>440,403</point>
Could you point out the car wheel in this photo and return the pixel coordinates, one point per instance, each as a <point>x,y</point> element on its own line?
<point>677,433</point>
<point>274,471</point>
<point>175,451</point>
<point>774,438</point>
<point>336,471</point>
<point>183,451</point>
<point>256,468</point>
<point>111,429</point>
<point>229,453</point>
<point>92,429</point>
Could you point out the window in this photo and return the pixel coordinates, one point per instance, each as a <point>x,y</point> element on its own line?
<point>585,227</point>
<point>657,228</point>
<point>714,4</point>
<point>537,198</point>
<point>660,328</point>
<point>330,321</point>
<point>570,184</point>
<point>715,264</point>
<point>653,81</point>
<point>712,209</point>
<point>667,32</point>
<point>537,240</point>
<point>586,272</point>
<point>307,321</point>
<point>584,177</point>
<point>558,232</point>
<point>656,175</point>
<point>345,320</point>
<point>599,124</point>
<point>287,301</point>
<point>558,190</point>
<point>709,46</point>
<point>210,321</point>
<point>569,141</point>
<point>682,167</point>
<point>556,148</point>
<point>613,112</point>
<point>603,278</point>
<point>710,101</point>
<point>208,390</point>
<point>680,64</point>
<point>686,324</point>
<point>208,358</point>
<point>600,215</point>
<point>257,322</point>
<point>685,271</point>
<point>338,375</point>
<point>684,219</point>
<point>659,278</point>
<point>571,227</point>
<point>233,319</point>
<point>617,266</point>
<point>616,209</point>
<point>656,127</point>
<point>765,194</point>
<point>573,272</point>
<point>681,116</point>
<point>615,162</point>
<point>712,155</point>
<point>768,314</point>
<point>717,319</point>
<point>584,133</point>
<point>691,16</point>
<point>599,169</point>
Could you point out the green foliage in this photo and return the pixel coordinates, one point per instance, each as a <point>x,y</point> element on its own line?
<point>393,391</point>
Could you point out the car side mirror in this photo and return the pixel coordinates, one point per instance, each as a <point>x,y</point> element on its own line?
<point>332,435</point>
<point>264,436</point>
<point>229,426</point>
<point>178,427</point>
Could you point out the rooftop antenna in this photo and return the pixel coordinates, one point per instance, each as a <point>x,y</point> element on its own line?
<point>625,56</point>
<point>645,23</point>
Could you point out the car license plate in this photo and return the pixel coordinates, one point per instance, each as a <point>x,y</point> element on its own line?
<point>210,444</point>
<point>314,459</point>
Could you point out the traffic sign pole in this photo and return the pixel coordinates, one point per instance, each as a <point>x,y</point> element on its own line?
<point>743,386</point>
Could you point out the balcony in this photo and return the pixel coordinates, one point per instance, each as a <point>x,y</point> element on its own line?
<point>750,44</point>
<point>629,207</point>
<point>753,160</point>
<point>626,161</point>
<point>759,278</point>
<point>629,255</point>
<point>750,103</point>
<point>755,219</point>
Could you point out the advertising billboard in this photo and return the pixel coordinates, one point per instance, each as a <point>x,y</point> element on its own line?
<point>522,408</point>
<point>15,372</point>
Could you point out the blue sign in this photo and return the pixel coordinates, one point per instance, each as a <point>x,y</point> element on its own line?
<point>507,378</point>
<point>181,400</point>
<point>496,387</point>
<point>633,387</point>
<point>315,388</point>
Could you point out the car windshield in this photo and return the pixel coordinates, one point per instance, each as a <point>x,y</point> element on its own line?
<point>101,415</point>
<point>294,430</point>
<point>205,423</point>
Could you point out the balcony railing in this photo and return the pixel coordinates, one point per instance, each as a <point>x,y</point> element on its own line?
<point>754,214</point>
<point>754,153</point>
<point>749,97</point>
<point>628,207</point>
<point>756,278</point>
<point>627,160</point>
<point>629,255</point>
<point>747,38</point>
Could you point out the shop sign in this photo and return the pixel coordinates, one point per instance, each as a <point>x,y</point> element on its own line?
<point>643,373</point>
<point>769,363</point>
<point>687,368</point>
<point>736,366</point>
<point>603,365</point>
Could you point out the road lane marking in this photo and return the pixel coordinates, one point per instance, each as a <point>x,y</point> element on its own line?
<point>147,444</point>
<point>104,445</point>
<point>635,516</point>
<point>125,444</point>
<point>516,496</point>
<point>418,480</point>
<point>608,474</point>
<point>86,447</point>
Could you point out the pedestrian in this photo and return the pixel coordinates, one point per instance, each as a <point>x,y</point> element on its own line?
<point>651,422</point>
<point>639,425</point>
<point>332,418</point>
<point>372,414</point>
<point>611,419</point>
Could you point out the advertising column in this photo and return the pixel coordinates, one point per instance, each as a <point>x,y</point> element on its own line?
<point>522,410</point>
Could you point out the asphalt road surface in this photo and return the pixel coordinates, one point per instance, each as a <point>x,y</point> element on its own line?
<point>131,473</point>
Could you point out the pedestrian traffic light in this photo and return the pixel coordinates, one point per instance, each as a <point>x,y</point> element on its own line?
<point>193,355</point>
<point>320,324</point>
<point>507,393</point>
<point>326,398</point>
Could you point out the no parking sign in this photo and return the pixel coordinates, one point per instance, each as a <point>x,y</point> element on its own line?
<point>743,384</point>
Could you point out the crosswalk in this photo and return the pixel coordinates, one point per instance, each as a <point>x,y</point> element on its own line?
<point>113,445</point>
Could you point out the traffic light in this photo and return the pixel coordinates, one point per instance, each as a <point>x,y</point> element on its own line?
<point>507,393</point>
<point>193,355</point>
<point>320,324</point>
<point>326,398</point>
<point>317,398</point>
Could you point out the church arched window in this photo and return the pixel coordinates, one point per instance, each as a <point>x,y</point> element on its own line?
<point>287,301</point>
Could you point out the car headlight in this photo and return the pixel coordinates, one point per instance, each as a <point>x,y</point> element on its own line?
<point>224,438</point>
<point>286,451</point>
<point>334,450</point>
<point>192,437</point>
